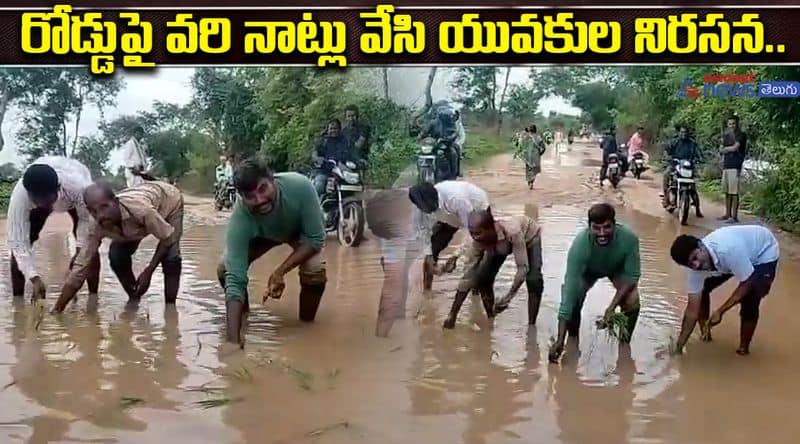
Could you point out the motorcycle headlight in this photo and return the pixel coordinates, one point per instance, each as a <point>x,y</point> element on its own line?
<point>349,177</point>
<point>686,164</point>
<point>685,172</point>
<point>426,149</point>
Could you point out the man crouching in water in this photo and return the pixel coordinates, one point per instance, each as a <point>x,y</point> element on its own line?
<point>274,209</point>
<point>128,217</point>
<point>493,241</point>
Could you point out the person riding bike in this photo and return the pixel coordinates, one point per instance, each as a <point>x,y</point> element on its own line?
<point>681,148</point>
<point>444,127</point>
<point>333,147</point>
<point>609,146</point>
<point>223,173</point>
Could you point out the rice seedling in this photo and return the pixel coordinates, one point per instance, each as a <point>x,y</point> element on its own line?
<point>304,379</point>
<point>617,326</point>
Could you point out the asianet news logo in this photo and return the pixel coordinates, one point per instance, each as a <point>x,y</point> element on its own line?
<point>726,86</point>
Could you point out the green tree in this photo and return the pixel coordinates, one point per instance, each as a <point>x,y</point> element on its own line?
<point>225,99</point>
<point>93,151</point>
<point>169,149</point>
<point>18,85</point>
<point>48,116</point>
<point>476,87</point>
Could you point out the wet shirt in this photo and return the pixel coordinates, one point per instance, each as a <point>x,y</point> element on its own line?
<point>587,259</point>
<point>735,250</point>
<point>336,148</point>
<point>734,160</point>
<point>150,208</point>
<point>684,149</point>
<point>520,231</point>
<point>457,199</point>
<point>73,178</point>
<point>296,216</point>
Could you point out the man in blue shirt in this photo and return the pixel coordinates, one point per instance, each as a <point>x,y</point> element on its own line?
<point>749,253</point>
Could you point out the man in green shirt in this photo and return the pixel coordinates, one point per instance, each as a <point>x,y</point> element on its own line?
<point>604,250</point>
<point>274,209</point>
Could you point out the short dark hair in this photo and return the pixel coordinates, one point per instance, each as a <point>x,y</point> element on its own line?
<point>352,108</point>
<point>734,117</point>
<point>336,121</point>
<point>40,180</point>
<point>248,173</point>
<point>601,213</point>
<point>424,195</point>
<point>532,128</point>
<point>682,248</point>
<point>385,212</point>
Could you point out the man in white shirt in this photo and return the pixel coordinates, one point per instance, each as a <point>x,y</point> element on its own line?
<point>51,183</point>
<point>749,253</point>
<point>449,204</point>
<point>134,154</point>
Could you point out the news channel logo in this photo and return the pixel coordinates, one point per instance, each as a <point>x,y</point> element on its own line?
<point>776,89</point>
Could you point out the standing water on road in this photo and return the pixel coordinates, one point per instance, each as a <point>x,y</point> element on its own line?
<point>101,373</point>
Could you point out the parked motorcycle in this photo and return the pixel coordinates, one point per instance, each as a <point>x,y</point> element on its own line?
<point>682,189</point>
<point>638,166</point>
<point>342,203</point>
<point>224,196</point>
<point>433,161</point>
<point>614,170</point>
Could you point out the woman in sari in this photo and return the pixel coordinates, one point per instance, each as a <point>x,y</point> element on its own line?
<point>532,147</point>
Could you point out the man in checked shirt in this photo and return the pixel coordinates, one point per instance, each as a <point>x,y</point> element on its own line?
<point>50,184</point>
<point>494,239</point>
<point>151,207</point>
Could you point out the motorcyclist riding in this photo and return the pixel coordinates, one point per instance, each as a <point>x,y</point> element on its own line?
<point>333,147</point>
<point>609,146</point>
<point>223,173</point>
<point>444,127</point>
<point>681,148</point>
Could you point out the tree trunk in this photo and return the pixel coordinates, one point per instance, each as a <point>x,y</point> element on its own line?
<point>493,102</point>
<point>63,148</point>
<point>385,82</point>
<point>4,99</point>
<point>77,125</point>
<point>428,97</point>
<point>502,101</point>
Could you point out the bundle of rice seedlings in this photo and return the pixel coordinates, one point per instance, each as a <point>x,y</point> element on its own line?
<point>617,326</point>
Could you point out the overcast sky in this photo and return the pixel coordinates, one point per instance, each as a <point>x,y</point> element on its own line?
<point>173,85</point>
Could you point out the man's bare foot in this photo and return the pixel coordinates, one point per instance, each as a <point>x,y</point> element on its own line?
<point>742,351</point>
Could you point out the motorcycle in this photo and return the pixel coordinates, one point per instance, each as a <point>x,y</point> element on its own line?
<point>225,196</point>
<point>638,166</point>
<point>681,188</point>
<point>342,203</point>
<point>613,170</point>
<point>433,161</point>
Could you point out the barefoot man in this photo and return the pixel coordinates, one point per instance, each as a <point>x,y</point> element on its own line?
<point>493,240</point>
<point>50,184</point>
<point>748,252</point>
<point>150,208</point>
<point>274,209</point>
<point>605,249</point>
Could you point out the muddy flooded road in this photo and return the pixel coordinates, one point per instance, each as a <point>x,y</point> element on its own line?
<point>100,373</point>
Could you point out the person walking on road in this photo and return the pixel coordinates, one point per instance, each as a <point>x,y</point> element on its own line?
<point>733,150</point>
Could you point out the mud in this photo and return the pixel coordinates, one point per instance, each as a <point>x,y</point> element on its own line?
<point>99,373</point>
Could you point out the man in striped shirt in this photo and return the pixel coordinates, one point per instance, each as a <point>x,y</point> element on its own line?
<point>50,184</point>
<point>150,208</point>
